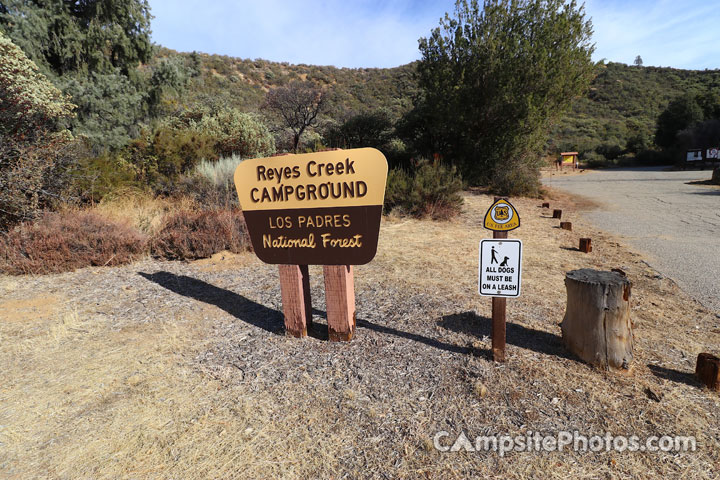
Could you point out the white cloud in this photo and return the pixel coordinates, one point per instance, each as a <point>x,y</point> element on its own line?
<point>664,33</point>
<point>376,33</point>
<point>329,32</point>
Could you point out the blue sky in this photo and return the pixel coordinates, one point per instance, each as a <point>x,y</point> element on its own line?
<point>372,33</point>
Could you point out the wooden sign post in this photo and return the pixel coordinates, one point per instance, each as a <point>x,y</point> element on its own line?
<point>315,209</point>
<point>499,268</point>
<point>499,310</point>
<point>340,300</point>
<point>297,305</point>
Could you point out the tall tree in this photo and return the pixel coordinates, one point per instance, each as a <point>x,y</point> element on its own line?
<point>682,113</point>
<point>88,36</point>
<point>90,49</point>
<point>29,103</point>
<point>638,61</point>
<point>32,139</point>
<point>494,76</point>
<point>372,129</point>
<point>297,105</point>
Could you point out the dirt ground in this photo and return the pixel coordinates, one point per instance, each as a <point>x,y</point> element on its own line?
<point>182,370</point>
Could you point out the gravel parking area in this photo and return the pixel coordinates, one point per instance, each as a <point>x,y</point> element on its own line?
<point>662,214</point>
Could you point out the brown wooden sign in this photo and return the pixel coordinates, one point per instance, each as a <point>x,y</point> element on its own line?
<point>314,209</point>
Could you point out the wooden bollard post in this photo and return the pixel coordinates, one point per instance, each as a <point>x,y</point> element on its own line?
<point>557,214</point>
<point>585,245</point>
<point>546,205</point>
<point>566,225</point>
<point>295,291</point>
<point>340,300</point>
<point>707,370</point>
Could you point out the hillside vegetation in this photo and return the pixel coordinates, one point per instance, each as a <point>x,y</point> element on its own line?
<point>623,102</point>
<point>243,83</point>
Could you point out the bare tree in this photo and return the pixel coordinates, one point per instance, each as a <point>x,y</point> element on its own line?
<point>297,104</point>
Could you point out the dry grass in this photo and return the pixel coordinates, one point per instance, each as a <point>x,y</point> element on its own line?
<point>119,230</point>
<point>64,241</point>
<point>104,403</point>
<point>189,235</point>
<point>180,382</point>
<point>143,211</point>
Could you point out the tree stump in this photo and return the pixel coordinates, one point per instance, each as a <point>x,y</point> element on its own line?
<point>557,213</point>
<point>707,370</point>
<point>597,326</point>
<point>585,245</point>
<point>566,225</point>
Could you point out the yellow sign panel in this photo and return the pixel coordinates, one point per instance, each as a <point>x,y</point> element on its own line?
<point>502,217</point>
<point>337,178</point>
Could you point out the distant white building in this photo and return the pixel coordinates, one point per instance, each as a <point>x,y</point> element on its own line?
<point>694,156</point>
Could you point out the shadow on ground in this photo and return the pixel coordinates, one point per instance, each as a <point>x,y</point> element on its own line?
<point>271,320</point>
<point>538,341</point>
<point>708,192</point>
<point>236,305</point>
<point>673,375</point>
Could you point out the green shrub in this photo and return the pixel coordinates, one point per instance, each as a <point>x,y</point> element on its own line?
<point>431,190</point>
<point>219,173</point>
<point>594,160</point>
<point>625,161</point>
<point>174,151</point>
<point>517,177</point>
<point>96,177</point>
<point>65,241</point>
<point>237,133</point>
<point>312,142</point>
<point>29,102</point>
<point>372,129</point>
<point>212,184</point>
<point>188,235</point>
<point>35,149</point>
<point>177,145</point>
<point>396,152</point>
<point>650,157</point>
<point>609,151</point>
<point>397,190</point>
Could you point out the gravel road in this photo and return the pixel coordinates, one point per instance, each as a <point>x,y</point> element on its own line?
<point>676,224</point>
